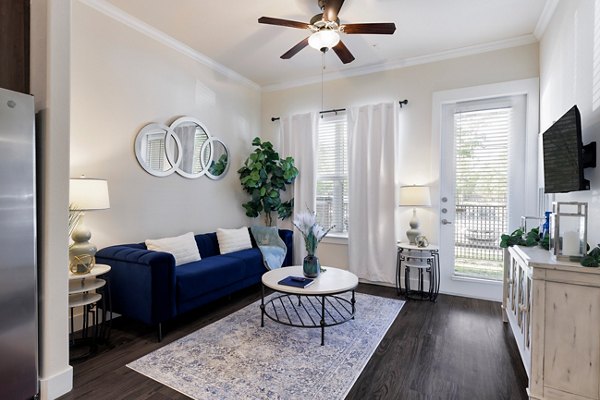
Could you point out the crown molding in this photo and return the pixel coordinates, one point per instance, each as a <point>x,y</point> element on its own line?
<point>545,17</point>
<point>407,62</point>
<point>121,16</point>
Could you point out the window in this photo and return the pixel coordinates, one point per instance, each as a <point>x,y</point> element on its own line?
<point>332,172</point>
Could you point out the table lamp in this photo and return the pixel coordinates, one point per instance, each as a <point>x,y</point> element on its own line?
<point>414,196</point>
<point>85,194</point>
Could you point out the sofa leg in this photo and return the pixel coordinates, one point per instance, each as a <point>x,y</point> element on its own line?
<point>159,332</point>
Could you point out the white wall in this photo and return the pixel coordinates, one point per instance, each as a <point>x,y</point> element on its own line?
<point>417,84</point>
<point>122,80</point>
<point>570,74</point>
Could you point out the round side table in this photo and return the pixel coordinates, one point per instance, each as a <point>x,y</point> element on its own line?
<point>424,261</point>
<point>89,292</point>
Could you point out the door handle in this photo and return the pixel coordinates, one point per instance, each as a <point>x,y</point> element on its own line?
<point>446,222</point>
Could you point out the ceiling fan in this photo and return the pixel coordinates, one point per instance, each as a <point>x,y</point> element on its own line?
<point>326,29</point>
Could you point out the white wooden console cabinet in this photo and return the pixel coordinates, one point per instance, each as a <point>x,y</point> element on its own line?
<point>553,308</point>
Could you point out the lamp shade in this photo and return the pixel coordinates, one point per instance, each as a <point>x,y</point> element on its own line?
<point>88,194</point>
<point>415,196</point>
<point>324,38</point>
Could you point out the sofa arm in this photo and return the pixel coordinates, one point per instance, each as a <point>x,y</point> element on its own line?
<point>142,282</point>
<point>288,238</point>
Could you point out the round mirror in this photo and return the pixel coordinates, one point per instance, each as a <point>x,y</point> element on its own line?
<point>157,149</point>
<point>192,135</point>
<point>215,158</point>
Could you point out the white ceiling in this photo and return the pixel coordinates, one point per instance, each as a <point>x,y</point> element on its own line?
<point>228,32</point>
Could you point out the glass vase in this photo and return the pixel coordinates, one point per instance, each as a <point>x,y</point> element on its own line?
<point>311,266</point>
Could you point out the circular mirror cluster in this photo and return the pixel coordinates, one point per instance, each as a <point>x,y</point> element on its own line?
<point>185,147</point>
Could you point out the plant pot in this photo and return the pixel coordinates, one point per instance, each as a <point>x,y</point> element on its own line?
<point>311,266</point>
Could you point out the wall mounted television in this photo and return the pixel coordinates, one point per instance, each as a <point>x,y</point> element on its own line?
<point>565,156</point>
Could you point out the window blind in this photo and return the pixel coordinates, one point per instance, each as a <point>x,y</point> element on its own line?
<point>481,143</point>
<point>332,172</point>
<point>155,151</point>
<point>199,138</point>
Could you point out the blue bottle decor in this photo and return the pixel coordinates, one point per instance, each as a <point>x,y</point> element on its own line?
<point>546,226</point>
<point>311,266</point>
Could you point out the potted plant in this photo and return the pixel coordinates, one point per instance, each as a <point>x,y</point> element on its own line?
<point>313,233</point>
<point>264,176</point>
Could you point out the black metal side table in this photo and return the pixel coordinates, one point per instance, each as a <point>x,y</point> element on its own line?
<point>425,261</point>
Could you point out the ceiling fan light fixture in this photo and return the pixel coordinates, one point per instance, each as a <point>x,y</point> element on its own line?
<point>324,38</point>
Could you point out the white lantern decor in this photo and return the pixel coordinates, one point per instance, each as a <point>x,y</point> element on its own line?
<point>568,230</point>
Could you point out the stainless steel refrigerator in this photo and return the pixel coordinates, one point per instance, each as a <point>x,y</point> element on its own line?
<point>18,248</point>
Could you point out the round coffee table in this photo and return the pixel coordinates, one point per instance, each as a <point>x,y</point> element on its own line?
<point>316,306</point>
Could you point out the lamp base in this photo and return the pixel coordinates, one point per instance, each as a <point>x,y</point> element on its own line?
<point>414,231</point>
<point>81,253</point>
<point>412,234</point>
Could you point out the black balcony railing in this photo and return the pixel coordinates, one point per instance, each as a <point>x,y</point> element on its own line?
<point>477,232</point>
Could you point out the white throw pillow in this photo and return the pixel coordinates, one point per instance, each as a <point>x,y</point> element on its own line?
<point>231,240</point>
<point>183,248</point>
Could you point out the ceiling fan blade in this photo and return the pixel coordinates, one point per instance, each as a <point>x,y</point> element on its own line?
<point>384,28</point>
<point>343,53</point>
<point>331,9</point>
<point>283,22</point>
<point>294,50</point>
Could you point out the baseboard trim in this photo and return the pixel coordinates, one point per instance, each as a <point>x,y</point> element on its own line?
<point>56,385</point>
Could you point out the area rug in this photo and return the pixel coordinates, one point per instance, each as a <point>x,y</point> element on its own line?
<point>234,358</point>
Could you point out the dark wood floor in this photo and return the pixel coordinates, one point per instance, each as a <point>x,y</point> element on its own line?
<point>457,348</point>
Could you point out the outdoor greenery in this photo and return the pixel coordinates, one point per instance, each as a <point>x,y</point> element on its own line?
<point>264,176</point>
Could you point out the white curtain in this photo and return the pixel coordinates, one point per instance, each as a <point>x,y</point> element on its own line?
<point>299,139</point>
<point>372,141</point>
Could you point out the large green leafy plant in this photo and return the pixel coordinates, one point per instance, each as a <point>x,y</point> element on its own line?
<point>264,176</point>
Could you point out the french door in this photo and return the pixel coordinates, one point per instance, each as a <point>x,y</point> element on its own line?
<point>484,182</point>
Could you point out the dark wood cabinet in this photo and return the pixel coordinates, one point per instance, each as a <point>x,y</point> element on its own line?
<point>14,45</point>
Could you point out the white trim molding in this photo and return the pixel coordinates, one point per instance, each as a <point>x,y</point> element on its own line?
<point>117,14</point>
<point>55,386</point>
<point>545,17</point>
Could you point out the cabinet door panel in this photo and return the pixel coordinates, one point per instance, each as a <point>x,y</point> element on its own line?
<point>571,345</point>
<point>513,284</point>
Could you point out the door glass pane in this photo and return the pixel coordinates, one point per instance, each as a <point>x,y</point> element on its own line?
<point>481,165</point>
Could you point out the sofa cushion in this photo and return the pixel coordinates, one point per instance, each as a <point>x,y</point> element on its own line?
<point>252,260</point>
<point>207,244</point>
<point>231,240</point>
<point>183,248</point>
<point>204,276</point>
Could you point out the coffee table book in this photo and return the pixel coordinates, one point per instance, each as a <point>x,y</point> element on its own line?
<point>296,281</point>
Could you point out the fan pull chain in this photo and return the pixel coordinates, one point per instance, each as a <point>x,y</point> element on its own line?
<point>322,79</point>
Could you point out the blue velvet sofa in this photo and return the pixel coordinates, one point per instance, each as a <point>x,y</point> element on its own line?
<point>147,286</point>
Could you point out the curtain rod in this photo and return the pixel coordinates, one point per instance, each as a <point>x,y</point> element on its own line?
<point>273,119</point>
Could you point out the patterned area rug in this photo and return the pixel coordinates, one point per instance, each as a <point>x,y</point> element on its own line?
<point>234,358</point>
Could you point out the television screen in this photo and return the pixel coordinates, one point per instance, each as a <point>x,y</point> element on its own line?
<point>563,155</point>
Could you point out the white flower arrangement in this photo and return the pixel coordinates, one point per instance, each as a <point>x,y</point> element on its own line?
<point>306,223</point>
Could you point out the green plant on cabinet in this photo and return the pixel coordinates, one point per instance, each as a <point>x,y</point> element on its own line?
<point>518,237</point>
<point>592,259</point>
<point>264,176</point>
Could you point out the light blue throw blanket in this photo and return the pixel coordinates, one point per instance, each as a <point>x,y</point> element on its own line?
<point>271,246</point>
